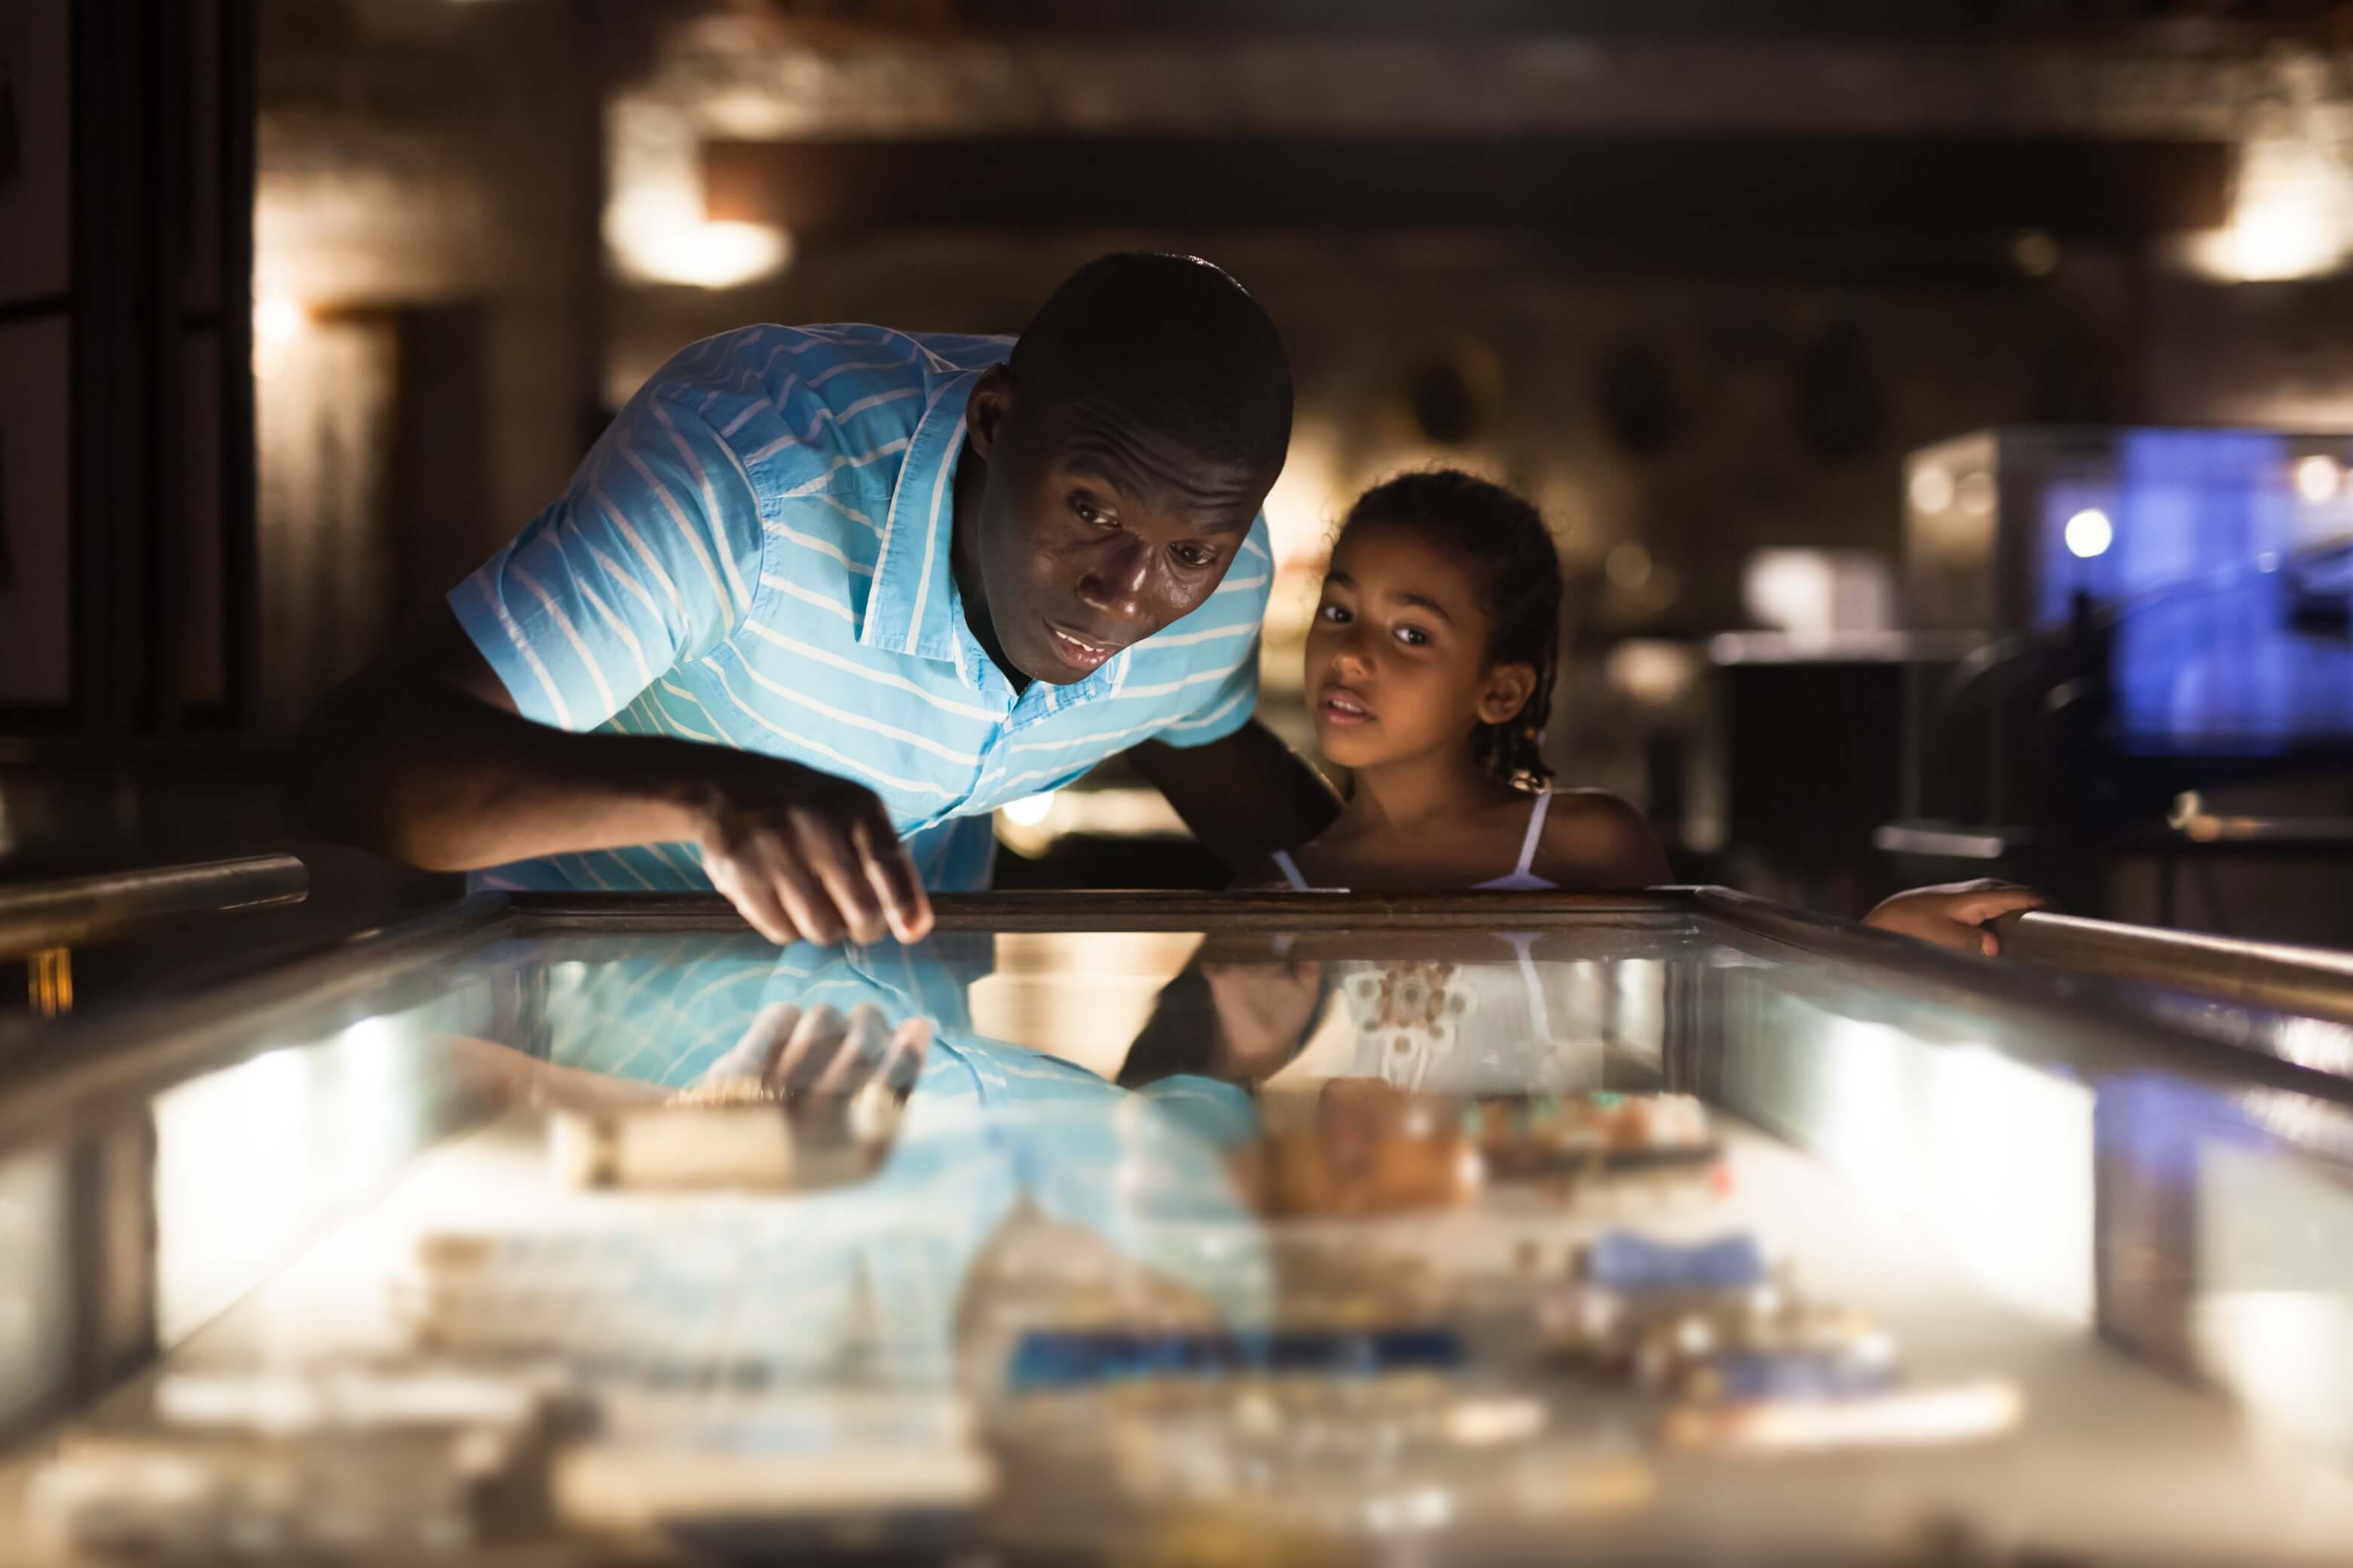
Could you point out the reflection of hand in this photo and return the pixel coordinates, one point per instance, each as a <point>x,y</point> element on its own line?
<point>509,1075</point>
<point>1263,1009</point>
<point>791,1053</point>
<point>1952,914</point>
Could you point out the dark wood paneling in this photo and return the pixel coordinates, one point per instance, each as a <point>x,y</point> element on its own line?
<point>1561,183</point>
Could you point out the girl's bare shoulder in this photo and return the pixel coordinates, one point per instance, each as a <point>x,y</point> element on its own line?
<point>1598,842</point>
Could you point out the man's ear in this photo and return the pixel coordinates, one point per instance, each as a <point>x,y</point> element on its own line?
<point>1509,686</point>
<point>986,411</point>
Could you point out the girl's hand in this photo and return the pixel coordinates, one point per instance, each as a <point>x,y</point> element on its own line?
<point>1952,915</point>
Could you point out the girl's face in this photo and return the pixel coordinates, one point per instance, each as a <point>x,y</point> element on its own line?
<point>1397,655</point>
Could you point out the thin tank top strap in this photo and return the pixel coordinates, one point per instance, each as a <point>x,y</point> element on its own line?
<point>1522,945</point>
<point>1536,831</point>
<point>1291,869</point>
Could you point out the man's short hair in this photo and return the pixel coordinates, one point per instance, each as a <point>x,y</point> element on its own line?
<point>1171,342</point>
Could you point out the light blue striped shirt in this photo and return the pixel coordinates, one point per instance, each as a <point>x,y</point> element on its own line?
<point>994,1133</point>
<point>757,556</point>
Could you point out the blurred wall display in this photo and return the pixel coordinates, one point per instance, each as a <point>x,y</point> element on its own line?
<point>35,629</point>
<point>1817,595</point>
<point>427,323</point>
<point>35,571</point>
<point>34,151</point>
<point>124,442</point>
<point>2216,567</point>
<point>329,561</point>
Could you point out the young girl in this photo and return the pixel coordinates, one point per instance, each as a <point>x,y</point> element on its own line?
<point>1430,666</point>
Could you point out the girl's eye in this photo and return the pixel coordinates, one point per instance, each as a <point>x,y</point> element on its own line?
<point>1412,637</point>
<point>1332,613</point>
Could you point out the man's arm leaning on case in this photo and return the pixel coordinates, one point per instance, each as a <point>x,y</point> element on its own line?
<point>1245,795</point>
<point>422,757</point>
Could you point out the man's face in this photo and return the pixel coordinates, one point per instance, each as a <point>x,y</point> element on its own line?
<point>1095,533</point>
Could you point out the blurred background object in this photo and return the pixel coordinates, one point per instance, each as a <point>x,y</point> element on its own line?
<point>2153,613</point>
<point>1700,276</point>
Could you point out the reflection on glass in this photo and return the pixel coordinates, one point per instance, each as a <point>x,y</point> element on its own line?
<point>2274,1315</point>
<point>35,1283</point>
<point>233,1168</point>
<point>1953,1135</point>
<point>1407,1232</point>
<point>250,1159</point>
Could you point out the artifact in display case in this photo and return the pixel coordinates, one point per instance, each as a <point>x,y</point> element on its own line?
<point>1603,1147</point>
<point>413,1457</point>
<point>808,1098</point>
<point>1373,1149</point>
<point>1747,1364</point>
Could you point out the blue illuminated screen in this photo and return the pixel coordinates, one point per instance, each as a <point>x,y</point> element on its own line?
<point>2227,557</point>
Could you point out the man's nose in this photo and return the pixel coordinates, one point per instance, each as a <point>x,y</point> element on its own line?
<point>1116,584</point>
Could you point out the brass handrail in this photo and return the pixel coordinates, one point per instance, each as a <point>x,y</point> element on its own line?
<point>72,911</point>
<point>2309,981</point>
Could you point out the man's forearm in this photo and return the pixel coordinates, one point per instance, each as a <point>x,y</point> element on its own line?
<point>442,780</point>
<point>422,757</point>
<point>1246,796</point>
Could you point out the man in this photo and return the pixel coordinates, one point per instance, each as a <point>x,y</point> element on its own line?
<point>821,599</point>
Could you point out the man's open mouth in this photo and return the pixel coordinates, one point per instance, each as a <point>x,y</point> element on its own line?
<point>1083,653</point>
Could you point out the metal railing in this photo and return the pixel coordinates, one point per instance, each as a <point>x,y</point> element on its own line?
<point>2306,981</point>
<point>73,911</point>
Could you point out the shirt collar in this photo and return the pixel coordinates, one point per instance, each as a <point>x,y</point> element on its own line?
<point>915,606</point>
<point>913,609</point>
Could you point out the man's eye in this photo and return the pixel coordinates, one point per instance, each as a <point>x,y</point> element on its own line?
<point>1089,513</point>
<point>1194,555</point>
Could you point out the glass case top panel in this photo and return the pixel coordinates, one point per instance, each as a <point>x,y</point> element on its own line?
<point>1011,1170</point>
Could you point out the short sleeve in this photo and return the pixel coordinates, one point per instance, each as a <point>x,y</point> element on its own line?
<point>649,561</point>
<point>1227,703</point>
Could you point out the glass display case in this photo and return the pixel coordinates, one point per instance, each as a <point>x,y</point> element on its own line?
<point>1503,1228</point>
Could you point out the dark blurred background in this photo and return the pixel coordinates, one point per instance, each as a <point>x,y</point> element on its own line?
<point>306,305</point>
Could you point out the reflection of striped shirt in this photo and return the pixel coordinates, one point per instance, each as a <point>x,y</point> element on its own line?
<point>755,555</point>
<point>994,1136</point>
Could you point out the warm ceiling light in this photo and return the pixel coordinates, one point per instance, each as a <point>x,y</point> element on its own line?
<point>658,235</point>
<point>1932,488</point>
<point>2292,218</point>
<point>277,321</point>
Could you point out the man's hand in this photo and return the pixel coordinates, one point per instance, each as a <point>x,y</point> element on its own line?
<point>1952,915</point>
<point>424,757</point>
<point>804,855</point>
